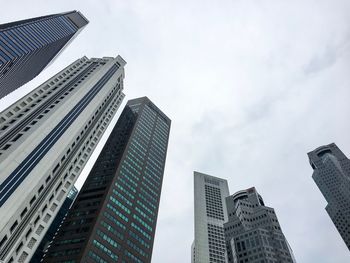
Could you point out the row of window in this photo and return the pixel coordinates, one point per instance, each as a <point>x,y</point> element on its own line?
<point>104,249</point>
<point>139,239</point>
<point>112,229</point>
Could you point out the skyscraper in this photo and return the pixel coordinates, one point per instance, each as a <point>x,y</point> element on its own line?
<point>332,176</point>
<point>46,139</point>
<point>54,226</point>
<point>252,232</point>
<point>209,217</point>
<point>113,219</point>
<point>27,46</point>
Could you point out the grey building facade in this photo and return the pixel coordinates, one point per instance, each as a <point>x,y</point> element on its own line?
<point>114,217</point>
<point>28,46</point>
<point>46,138</point>
<point>210,214</point>
<point>253,233</point>
<point>332,176</point>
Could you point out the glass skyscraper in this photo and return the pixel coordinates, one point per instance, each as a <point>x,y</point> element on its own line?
<point>28,46</point>
<point>113,219</point>
<point>332,176</point>
<point>46,138</point>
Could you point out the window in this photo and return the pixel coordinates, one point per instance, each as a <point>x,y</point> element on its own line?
<point>13,226</point>
<point>19,247</point>
<point>36,220</point>
<point>3,240</point>
<point>32,200</point>
<point>28,232</point>
<point>24,212</point>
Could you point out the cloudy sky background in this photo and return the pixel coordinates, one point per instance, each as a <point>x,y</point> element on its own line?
<point>250,86</point>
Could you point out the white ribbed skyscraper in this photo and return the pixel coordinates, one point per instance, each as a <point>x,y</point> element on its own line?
<point>209,217</point>
<point>46,138</point>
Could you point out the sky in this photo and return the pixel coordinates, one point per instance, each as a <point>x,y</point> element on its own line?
<point>250,87</point>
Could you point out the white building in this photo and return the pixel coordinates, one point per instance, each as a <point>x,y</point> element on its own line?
<point>46,138</point>
<point>332,176</point>
<point>253,233</point>
<point>209,217</point>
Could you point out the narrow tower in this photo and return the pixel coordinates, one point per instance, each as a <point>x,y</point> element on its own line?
<point>252,232</point>
<point>332,176</point>
<point>28,46</point>
<point>46,138</point>
<point>113,219</point>
<point>209,217</point>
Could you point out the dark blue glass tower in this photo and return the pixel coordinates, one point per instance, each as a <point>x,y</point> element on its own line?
<point>114,217</point>
<point>28,46</point>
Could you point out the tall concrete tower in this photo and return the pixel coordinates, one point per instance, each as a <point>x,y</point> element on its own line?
<point>114,217</point>
<point>209,217</point>
<point>252,232</point>
<point>28,46</point>
<point>46,138</point>
<point>332,176</point>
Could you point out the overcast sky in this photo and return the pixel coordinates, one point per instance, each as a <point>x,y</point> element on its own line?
<point>250,86</point>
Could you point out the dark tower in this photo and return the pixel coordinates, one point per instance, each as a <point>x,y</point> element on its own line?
<point>28,46</point>
<point>113,219</point>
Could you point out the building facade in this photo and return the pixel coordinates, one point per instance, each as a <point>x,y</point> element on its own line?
<point>253,233</point>
<point>210,214</point>
<point>114,217</point>
<point>332,176</point>
<point>44,244</point>
<point>28,46</point>
<point>46,138</point>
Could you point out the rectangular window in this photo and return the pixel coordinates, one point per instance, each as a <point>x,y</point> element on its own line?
<point>13,226</point>
<point>32,200</point>
<point>24,212</point>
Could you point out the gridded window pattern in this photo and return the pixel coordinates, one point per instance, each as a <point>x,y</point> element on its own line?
<point>96,258</point>
<point>213,202</point>
<point>103,113</point>
<point>47,218</point>
<point>211,181</point>
<point>216,239</point>
<point>332,176</point>
<point>260,246</point>
<point>23,257</point>
<point>29,111</point>
<point>253,233</point>
<point>139,181</point>
<point>105,250</point>
<point>33,41</point>
<point>39,230</point>
<point>341,222</point>
<point>130,169</point>
<point>31,243</point>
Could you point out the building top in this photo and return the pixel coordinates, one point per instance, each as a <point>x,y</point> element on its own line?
<point>209,177</point>
<point>318,156</point>
<point>243,194</point>
<point>75,16</point>
<point>147,101</point>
